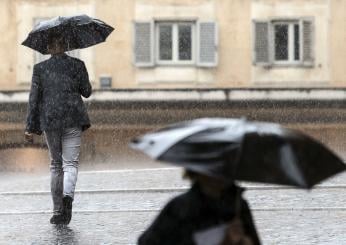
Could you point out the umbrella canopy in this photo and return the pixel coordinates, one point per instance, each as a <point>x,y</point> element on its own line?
<point>77,32</point>
<point>236,149</point>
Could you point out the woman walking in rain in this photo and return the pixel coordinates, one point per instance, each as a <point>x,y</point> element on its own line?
<point>55,103</point>
<point>56,108</point>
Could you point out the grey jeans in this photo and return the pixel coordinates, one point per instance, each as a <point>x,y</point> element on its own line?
<point>64,149</point>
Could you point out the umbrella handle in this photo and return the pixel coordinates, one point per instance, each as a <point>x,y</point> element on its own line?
<point>238,203</point>
<point>233,170</point>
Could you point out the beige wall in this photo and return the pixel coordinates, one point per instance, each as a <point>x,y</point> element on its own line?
<point>114,57</point>
<point>234,18</point>
<point>8,58</point>
<point>337,47</point>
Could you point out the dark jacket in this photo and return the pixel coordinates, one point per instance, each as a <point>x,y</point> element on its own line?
<point>55,100</point>
<point>194,211</point>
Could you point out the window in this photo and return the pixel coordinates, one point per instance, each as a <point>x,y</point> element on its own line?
<point>287,42</point>
<point>283,42</point>
<point>175,43</point>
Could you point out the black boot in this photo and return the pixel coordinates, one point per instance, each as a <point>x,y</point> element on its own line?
<point>67,209</point>
<point>57,219</point>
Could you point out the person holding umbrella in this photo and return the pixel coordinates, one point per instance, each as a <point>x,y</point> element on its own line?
<point>217,152</point>
<point>55,102</point>
<point>209,202</point>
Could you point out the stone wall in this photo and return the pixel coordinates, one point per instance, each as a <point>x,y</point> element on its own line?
<point>116,121</point>
<point>234,19</point>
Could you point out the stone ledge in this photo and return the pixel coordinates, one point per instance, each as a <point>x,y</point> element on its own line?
<point>202,95</point>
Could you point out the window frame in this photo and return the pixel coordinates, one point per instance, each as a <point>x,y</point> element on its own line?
<point>175,43</point>
<point>290,24</point>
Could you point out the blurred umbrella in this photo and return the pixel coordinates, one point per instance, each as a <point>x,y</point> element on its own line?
<point>77,31</point>
<point>236,149</point>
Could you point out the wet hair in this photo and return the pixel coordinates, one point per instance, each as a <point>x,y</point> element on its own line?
<point>189,174</point>
<point>54,38</point>
<point>194,176</point>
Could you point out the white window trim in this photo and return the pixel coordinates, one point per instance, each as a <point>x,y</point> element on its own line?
<point>291,60</point>
<point>175,52</point>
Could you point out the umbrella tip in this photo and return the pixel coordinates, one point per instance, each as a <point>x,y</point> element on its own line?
<point>135,141</point>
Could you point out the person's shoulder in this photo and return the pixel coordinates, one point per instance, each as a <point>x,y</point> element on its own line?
<point>40,65</point>
<point>183,205</point>
<point>186,197</point>
<point>178,201</point>
<point>75,60</point>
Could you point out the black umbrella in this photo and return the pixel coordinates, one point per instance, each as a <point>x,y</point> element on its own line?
<point>236,149</point>
<point>77,32</point>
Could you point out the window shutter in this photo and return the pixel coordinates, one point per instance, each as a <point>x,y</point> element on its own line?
<point>308,42</point>
<point>262,43</point>
<point>207,55</point>
<point>143,44</point>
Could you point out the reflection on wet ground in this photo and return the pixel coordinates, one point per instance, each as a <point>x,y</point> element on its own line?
<point>62,234</point>
<point>33,160</point>
<point>23,159</point>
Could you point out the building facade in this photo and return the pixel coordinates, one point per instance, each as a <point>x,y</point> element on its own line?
<point>191,44</point>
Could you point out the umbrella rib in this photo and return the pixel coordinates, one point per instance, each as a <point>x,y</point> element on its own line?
<point>287,156</point>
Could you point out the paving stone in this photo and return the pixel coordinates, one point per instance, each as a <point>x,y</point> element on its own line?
<point>114,207</point>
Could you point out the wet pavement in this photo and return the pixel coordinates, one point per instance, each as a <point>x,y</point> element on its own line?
<point>115,206</point>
